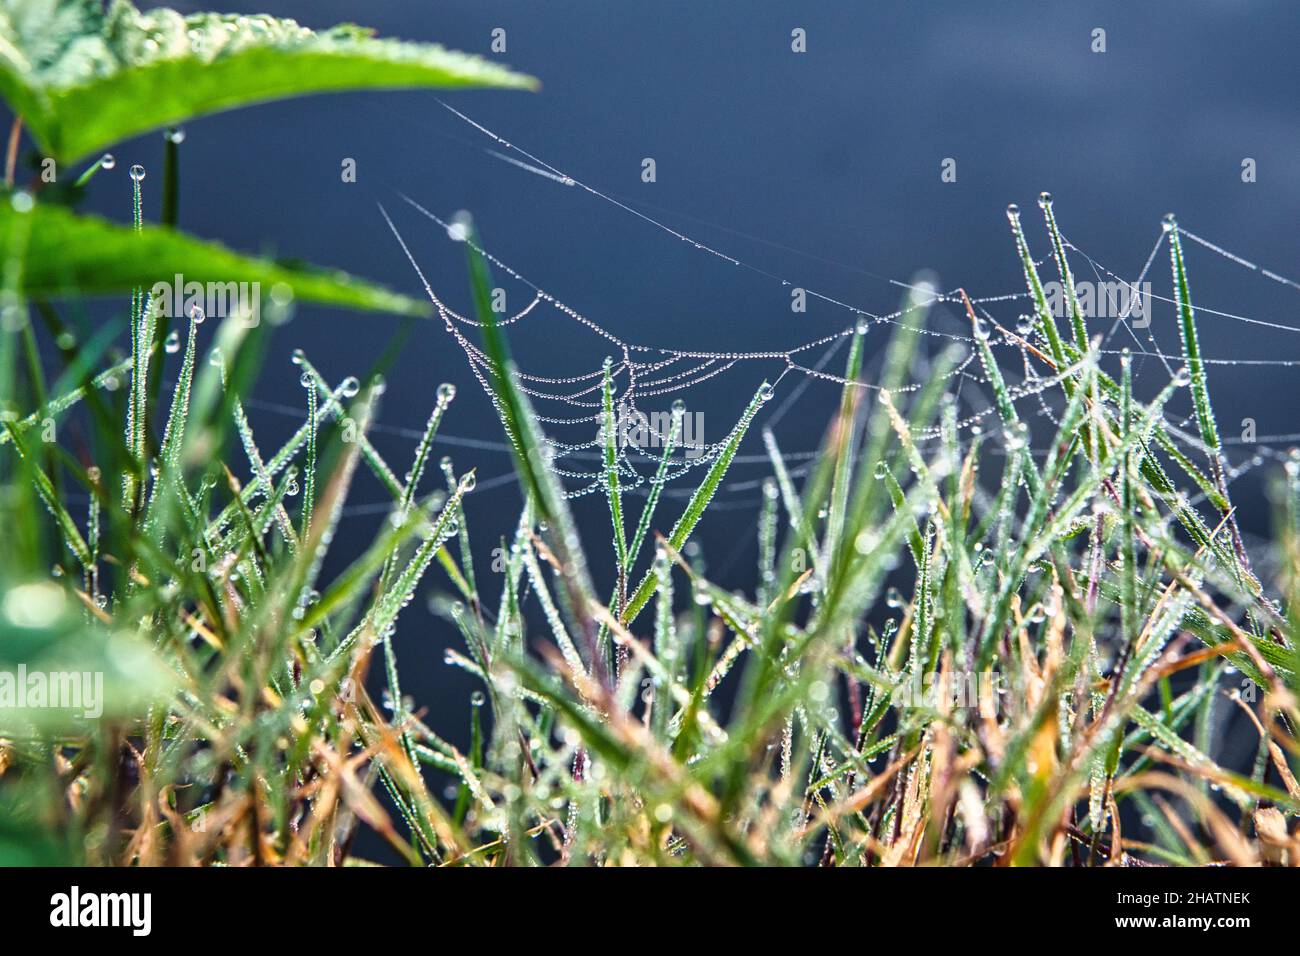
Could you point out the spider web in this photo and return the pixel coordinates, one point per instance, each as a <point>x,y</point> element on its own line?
<point>646,376</point>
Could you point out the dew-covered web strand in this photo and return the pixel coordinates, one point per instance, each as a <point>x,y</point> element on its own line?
<point>664,354</point>
<point>650,370</point>
<point>550,173</point>
<point>1034,385</point>
<point>540,166</point>
<point>536,164</point>
<point>1201,309</point>
<point>710,363</point>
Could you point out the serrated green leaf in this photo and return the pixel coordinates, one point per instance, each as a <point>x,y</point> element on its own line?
<point>67,254</point>
<point>84,77</point>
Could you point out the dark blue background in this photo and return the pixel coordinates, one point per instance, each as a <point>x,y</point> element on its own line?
<point>821,167</point>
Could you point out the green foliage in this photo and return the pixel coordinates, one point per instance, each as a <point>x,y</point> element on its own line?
<point>227,687</point>
<point>151,540</point>
<point>44,630</point>
<point>59,253</point>
<point>797,725</point>
<point>84,77</point>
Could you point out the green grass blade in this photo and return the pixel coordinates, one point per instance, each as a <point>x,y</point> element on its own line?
<point>695,508</point>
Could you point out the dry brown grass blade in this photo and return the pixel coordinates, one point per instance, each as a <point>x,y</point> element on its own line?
<point>1180,827</point>
<point>1277,846</point>
<point>1237,849</point>
<point>1275,752</point>
<point>872,791</point>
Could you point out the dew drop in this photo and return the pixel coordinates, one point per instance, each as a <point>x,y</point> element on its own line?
<point>107,161</point>
<point>172,344</point>
<point>459,228</point>
<point>137,172</point>
<point>446,392</point>
<point>349,387</point>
